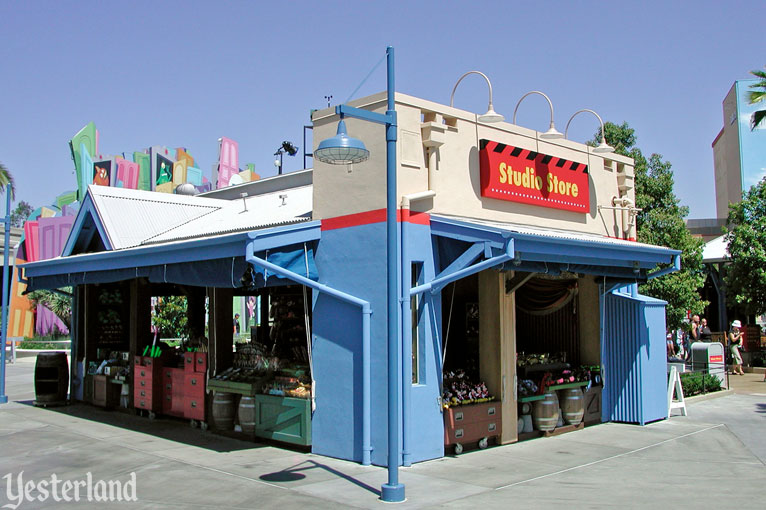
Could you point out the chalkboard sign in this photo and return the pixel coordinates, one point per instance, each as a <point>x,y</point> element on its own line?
<point>111,308</point>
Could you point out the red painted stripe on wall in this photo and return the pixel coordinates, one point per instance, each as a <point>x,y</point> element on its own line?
<point>375,216</point>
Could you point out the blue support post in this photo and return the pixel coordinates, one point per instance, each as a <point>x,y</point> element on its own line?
<point>393,491</point>
<point>6,290</point>
<point>406,341</point>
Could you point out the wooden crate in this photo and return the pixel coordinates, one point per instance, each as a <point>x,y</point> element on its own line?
<point>592,405</point>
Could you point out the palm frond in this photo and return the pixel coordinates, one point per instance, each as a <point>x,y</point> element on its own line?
<point>6,179</point>
<point>757,119</point>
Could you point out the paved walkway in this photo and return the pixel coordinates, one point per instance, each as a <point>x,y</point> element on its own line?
<point>713,458</point>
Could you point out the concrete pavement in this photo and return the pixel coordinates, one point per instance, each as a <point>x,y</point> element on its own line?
<point>714,457</point>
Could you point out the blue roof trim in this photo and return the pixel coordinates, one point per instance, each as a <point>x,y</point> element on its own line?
<point>208,248</point>
<point>87,210</point>
<point>540,248</point>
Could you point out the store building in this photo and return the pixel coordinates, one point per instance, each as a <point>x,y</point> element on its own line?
<point>497,227</point>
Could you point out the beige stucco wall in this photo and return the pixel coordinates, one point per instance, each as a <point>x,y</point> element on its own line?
<point>726,160</point>
<point>590,326</point>
<point>454,176</point>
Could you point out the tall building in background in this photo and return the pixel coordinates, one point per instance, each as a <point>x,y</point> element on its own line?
<point>739,159</point>
<point>739,152</point>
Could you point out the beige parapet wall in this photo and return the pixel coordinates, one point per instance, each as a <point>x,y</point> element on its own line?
<point>438,149</point>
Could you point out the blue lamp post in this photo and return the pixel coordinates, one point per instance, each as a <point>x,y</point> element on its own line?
<point>340,150</point>
<point>5,290</point>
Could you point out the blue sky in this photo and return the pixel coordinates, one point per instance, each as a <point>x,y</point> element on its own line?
<point>186,73</point>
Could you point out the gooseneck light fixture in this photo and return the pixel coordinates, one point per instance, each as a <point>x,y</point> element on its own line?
<point>603,147</point>
<point>340,150</point>
<point>552,133</point>
<point>491,115</point>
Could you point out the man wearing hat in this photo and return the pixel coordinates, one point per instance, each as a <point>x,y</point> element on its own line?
<point>735,342</point>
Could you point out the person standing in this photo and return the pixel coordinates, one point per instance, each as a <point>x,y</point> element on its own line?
<point>235,324</point>
<point>735,342</point>
<point>703,332</point>
<point>694,333</point>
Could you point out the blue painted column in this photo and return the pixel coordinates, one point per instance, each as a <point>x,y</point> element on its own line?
<point>393,491</point>
<point>6,291</point>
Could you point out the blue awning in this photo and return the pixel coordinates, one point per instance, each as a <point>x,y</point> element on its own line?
<point>461,241</point>
<point>217,261</point>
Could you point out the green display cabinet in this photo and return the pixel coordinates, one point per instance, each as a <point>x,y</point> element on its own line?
<point>284,419</point>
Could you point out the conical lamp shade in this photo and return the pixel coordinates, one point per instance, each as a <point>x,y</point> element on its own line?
<point>341,149</point>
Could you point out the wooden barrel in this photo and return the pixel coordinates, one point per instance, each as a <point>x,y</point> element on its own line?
<point>223,411</point>
<point>246,414</point>
<point>545,412</point>
<point>572,405</point>
<point>51,378</point>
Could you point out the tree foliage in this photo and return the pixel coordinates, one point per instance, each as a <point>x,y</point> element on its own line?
<point>169,315</point>
<point>756,96</point>
<point>20,214</point>
<point>6,179</point>
<point>746,235</point>
<point>661,222</point>
<point>57,302</point>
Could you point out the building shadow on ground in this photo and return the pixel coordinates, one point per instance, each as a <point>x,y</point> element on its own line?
<point>165,427</point>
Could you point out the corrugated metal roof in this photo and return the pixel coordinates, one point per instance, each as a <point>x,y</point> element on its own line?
<point>132,216</point>
<point>552,233</point>
<point>251,213</point>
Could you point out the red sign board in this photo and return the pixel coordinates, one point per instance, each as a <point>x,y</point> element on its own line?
<point>717,358</point>
<point>521,175</point>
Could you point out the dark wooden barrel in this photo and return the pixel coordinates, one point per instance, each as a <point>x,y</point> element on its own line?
<point>51,378</point>
<point>572,405</point>
<point>223,411</point>
<point>545,412</point>
<point>246,414</point>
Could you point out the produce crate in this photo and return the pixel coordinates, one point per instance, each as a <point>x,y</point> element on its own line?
<point>285,419</point>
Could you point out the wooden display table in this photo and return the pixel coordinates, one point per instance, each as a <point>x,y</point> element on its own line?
<point>472,423</point>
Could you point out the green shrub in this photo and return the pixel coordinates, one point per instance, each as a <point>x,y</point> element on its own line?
<point>694,383</point>
<point>44,343</point>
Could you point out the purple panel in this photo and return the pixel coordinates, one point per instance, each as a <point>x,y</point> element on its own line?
<point>206,186</point>
<point>70,209</point>
<point>47,323</point>
<point>53,233</point>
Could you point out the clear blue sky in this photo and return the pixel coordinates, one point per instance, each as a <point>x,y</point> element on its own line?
<point>186,73</point>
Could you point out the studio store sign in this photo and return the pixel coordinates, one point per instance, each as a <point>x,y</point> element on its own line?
<point>522,175</point>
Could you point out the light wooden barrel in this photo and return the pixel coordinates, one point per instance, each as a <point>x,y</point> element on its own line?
<point>572,405</point>
<point>545,412</point>
<point>246,414</point>
<point>224,411</point>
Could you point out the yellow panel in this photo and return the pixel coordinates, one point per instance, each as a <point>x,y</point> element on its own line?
<point>165,187</point>
<point>47,213</point>
<point>29,325</point>
<point>15,322</point>
<point>249,175</point>
<point>179,172</point>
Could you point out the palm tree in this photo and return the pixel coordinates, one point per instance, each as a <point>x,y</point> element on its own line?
<point>6,179</point>
<point>757,96</point>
